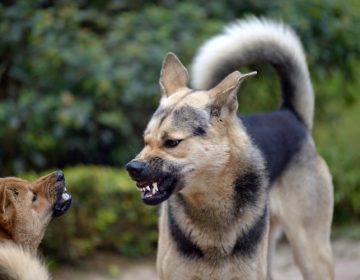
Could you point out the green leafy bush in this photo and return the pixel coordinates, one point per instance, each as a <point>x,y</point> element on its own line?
<point>79,84</point>
<point>78,79</point>
<point>338,142</point>
<point>107,213</point>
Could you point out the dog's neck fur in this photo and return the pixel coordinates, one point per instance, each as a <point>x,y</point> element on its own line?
<point>216,216</point>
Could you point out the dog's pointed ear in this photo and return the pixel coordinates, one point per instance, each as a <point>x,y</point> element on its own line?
<point>173,75</point>
<point>2,196</point>
<point>224,95</point>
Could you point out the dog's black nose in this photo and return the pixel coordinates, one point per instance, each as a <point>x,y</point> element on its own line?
<point>60,175</point>
<point>135,167</point>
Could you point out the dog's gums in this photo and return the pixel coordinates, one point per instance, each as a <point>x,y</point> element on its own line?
<point>156,191</point>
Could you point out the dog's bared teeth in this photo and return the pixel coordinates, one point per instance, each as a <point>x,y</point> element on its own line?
<point>148,188</point>
<point>155,187</point>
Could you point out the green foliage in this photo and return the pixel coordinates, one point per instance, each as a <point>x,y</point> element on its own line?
<point>107,213</point>
<point>78,85</point>
<point>78,79</point>
<point>338,142</point>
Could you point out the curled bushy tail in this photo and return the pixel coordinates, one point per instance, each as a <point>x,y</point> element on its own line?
<point>255,40</point>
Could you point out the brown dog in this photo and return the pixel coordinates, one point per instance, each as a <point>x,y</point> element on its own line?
<point>26,208</point>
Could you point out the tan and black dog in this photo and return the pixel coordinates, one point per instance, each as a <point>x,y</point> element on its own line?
<point>26,208</point>
<point>227,181</point>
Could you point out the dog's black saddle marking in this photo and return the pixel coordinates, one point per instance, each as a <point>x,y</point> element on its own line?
<point>246,244</point>
<point>278,135</point>
<point>183,243</point>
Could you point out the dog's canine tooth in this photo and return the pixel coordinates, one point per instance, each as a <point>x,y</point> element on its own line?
<point>148,188</point>
<point>155,186</point>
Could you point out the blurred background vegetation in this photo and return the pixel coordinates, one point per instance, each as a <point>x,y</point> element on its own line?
<point>78,83</point>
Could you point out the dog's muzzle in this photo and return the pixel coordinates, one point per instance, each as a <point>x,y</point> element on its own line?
<point>64,200</point>
<point>155,186</point>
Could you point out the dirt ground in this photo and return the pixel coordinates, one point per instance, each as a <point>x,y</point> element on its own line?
<point>110,267</point>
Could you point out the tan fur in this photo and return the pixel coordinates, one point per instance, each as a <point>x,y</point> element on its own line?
<point>17,263</point>
<point>23,222</point>
<point>302,201</point>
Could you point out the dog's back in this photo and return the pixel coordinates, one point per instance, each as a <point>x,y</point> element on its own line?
<point>279,134</point>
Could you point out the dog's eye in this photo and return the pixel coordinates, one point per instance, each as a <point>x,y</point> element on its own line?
<point>171,143</point>
<point>34,197</point>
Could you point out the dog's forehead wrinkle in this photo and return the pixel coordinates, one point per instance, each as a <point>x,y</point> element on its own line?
<point>190,118</point>
<point>168,105</point>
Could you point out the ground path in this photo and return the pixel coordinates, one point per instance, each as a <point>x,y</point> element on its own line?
<point>110,267</point>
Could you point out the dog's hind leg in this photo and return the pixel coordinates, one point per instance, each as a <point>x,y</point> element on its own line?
<point>303,202</point>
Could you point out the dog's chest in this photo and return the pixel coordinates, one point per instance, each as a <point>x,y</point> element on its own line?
<point>209,231</point>
<point>176,267</point>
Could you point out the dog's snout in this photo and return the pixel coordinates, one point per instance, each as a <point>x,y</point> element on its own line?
<point>60,175</point>
<point>135,167</point>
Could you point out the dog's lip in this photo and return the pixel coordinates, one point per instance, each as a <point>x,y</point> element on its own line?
<point>63,203</point>
<point>156,190</point>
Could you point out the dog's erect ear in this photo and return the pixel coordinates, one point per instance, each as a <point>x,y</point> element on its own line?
<point>173,75</point>
<point>224,95</point>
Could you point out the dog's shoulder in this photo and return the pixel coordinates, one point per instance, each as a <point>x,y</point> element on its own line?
<point>17,263</point>
<point>279,135</point>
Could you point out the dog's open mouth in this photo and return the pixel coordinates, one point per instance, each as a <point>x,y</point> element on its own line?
<point>62,204</point>
<point>155,191</point>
